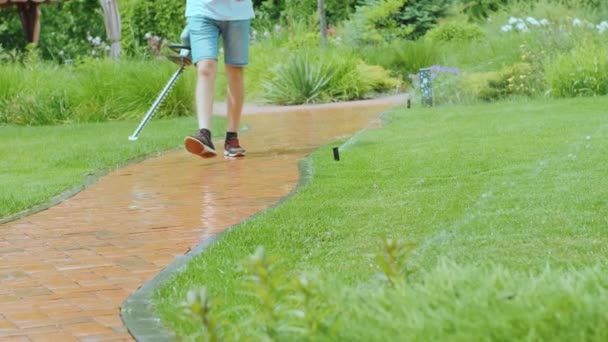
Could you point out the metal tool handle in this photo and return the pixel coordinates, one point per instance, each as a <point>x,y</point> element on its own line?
<point>159,100</point>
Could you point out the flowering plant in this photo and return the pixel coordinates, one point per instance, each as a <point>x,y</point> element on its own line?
<point>526,24</point>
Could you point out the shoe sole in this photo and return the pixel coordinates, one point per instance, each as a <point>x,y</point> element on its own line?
<point>196,147</point>
<point>234,155</point>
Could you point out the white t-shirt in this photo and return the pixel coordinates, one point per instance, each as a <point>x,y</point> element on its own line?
<point>220,9</point>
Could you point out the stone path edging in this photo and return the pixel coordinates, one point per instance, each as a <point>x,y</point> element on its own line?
<point>138,313</point>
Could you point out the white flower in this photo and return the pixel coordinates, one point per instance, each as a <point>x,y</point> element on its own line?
<point>522,27</point>
<point>148,35</point>
<point>532,21</point>
<point>61,53</point>
<point>506,28</point>
<point>544,22</point>
<point>96,41</point>
<point>577,22</point>
<point>514,20</point>
<point>266,34</point>
<point>89,38</point>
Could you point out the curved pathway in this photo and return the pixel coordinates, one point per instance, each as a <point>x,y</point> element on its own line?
<point>65,271</point>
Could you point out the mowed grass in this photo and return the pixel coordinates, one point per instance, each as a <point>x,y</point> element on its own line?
<point>38,163</point>
<point>505,207</point>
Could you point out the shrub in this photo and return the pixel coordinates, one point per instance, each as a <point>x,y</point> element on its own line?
<point>164,19</point>
<point>65,27</point>
<point>582,72</point>
<point>331,75</point>
<point>43,93</point>
<point>481,9</point>
<point>271,12</point>
<point>382,21</point>
<point>299,80</point>
<point>455,31</point>
<point>402,57</point>
<point>518,79</point>
<point>379,78</point>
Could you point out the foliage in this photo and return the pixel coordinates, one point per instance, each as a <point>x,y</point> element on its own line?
<point>481,9</point>
<point>283,12</point>
<point>382,21</point>
<point>455,31</point>
<point>402,57</point>
<point>65,27</point>
<point>330,76</point>
<point>300,79</point>
<point>422,15</point>
<point>199,305</point>
<point>581,72</point>
<point>43,93</point>
<point>163,19</point>
<point>511,80</point>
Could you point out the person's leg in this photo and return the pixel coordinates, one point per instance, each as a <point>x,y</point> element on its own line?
<point>235,96</point>
<point>205,90</point>
<point>235,36</point>
<point>204,37</point>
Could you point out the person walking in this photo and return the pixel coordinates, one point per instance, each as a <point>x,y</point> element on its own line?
<point>208,20</point>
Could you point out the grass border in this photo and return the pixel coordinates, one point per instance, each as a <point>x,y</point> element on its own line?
<point>137,311</point>
<point>88,181</point>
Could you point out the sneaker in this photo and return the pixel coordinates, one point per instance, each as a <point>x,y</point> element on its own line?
<point>200,144</point>
<point>233,149</point>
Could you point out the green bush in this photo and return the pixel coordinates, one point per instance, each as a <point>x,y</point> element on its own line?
<point>271,12</point>
<point>518,79</point>
<point>299,80</point>
<point>67,30</point>
<point>455,31</point>
<point>382,21</point>
<point>379,78</point>
<point>481,9</point>
<point>164,19</point>
<point>582,72</point>
<point>43,93</point>
<point>327,76</point>
<point>402,57</point>
<point>347,81</point>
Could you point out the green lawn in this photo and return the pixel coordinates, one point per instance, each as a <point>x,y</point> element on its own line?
<point>504,208</point>
<point>38,163</point>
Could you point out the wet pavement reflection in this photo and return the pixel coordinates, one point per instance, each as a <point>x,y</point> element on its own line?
<point>65,271</point>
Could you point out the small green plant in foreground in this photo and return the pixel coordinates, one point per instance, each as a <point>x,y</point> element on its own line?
<point>198,304</point>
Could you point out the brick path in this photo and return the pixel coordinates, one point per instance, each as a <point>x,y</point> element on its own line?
<point>65,271</point>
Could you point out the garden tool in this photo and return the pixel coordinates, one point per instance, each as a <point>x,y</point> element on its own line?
<point>183,59</point>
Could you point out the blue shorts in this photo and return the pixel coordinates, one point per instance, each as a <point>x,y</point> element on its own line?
<point>205,35</point>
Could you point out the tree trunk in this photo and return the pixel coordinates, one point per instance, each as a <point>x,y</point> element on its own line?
<point>29,13</point>
<point>111,17</point>
<point>323,21</point>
